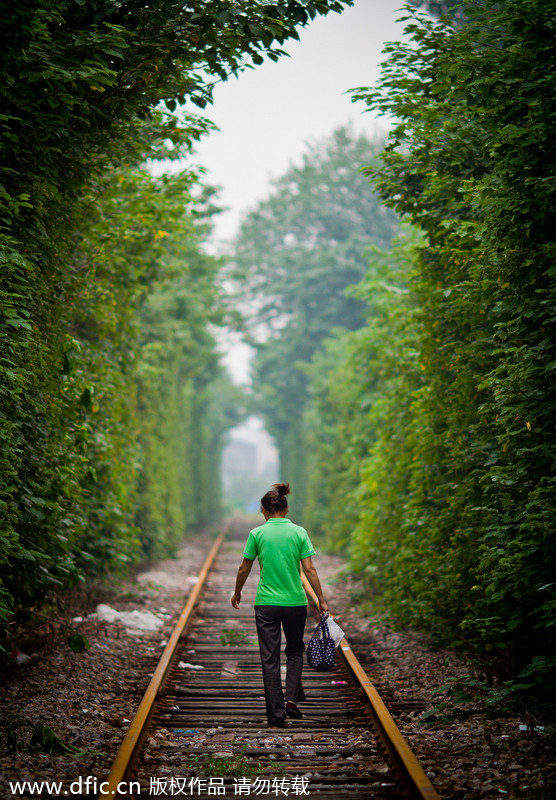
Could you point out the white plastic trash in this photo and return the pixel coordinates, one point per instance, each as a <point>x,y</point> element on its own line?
<point>335,631</point>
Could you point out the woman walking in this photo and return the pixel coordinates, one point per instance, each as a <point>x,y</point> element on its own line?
<point>280,601</point>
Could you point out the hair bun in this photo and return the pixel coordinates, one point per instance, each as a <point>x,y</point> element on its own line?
<point>274,500</point>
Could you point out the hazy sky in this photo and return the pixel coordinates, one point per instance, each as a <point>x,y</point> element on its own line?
<point>268,115</point>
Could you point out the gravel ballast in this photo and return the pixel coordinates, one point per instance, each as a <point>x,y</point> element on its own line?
<point>88,699</point>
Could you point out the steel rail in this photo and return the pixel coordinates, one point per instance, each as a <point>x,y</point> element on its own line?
<point>129,749</point>
<point>412,771</point>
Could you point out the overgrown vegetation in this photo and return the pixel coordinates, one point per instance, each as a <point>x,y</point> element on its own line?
<point>472,163</point>
<point>414,413</point>
<point>295,255</point>
<point>112,402</point>
<point>431,428</point>
<point>236,764</point>
<point>230,637</point>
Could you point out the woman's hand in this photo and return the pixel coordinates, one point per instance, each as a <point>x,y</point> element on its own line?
<point>312,576</point>
<point>242,575</point>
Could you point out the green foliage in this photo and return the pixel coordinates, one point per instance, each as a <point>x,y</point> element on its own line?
<point>453,9</point>
<point>230,637</point>
<point>238,764</point>
<point>14,741</point>
<point>45,740</point>
<point>294,257</point>
<point>456,514</point>
<point>351,381</point>
<point>110,425</point>
<point>431,428</point>
<point>102,442</point>
<point>78,643</point>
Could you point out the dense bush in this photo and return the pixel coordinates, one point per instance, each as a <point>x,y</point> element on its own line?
<point>449,393</point>
<point>295,255</point>
<point>109,430</point>
<point>421,436</point>
<point>113,456</point>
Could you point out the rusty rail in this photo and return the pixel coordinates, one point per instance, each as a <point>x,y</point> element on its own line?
<point>410,768</point>
<point>131,744</point>
<point>406,764</point>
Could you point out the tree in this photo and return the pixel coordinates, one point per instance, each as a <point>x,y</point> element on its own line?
<point>471,161</point>
<point>294,257</point>
<point>452,9</point>
<point>354,380</point>
<point>125,448</point>
<point>81,96</point>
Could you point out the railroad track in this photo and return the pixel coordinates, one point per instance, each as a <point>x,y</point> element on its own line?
<point>201,731</point>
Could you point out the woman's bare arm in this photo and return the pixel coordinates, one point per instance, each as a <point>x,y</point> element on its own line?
<point>242,575</point>
<point>312,576</point>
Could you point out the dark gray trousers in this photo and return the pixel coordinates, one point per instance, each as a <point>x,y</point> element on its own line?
<point>270,620</point>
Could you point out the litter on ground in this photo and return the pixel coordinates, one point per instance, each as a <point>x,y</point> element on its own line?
<point>134,621</point>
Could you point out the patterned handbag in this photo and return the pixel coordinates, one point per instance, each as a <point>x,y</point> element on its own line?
<point>320,650</point>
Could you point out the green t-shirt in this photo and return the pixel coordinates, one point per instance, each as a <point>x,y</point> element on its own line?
<point>279,545</point>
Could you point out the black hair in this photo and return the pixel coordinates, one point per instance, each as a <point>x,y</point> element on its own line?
<point>275,499</point>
